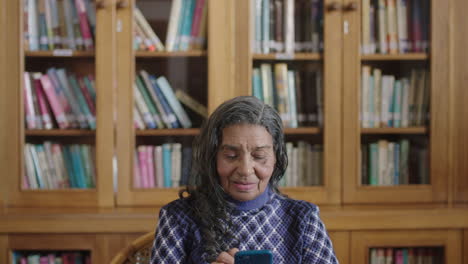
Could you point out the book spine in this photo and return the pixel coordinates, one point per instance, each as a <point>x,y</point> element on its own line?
<point>28,102</point>
<point>167,164</point>
<point>173,102</point>
<point>289,26</point>
<point>33,25</point>
<point>197,17</point>
<point>143,109</point>
<point>174,20</point>
<point>54,102</point>
<point>187,26</point>
<point>84,25</point>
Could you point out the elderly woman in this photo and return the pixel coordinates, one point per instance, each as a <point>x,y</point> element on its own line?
<point>233,202</point>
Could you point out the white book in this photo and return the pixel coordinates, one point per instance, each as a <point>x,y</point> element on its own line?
<point>176,164</point>
<point>68,13</point>
<point>402,26</point>
<point>147,29</point>
<point>377,73</point>
<point>70,95</point>
<point>174,20</point>
<point>365,99</point>
<point>265,26</point>
<point>53,171</point>
<point>267,83</point>
<point>383,162</point>
<point>388,82</point>
<point>137,119</point>
<point>293,122</point>
<point>289,26</point>
<point>287,174</point>
<point>143,108</point>
<point>59,162</point>
<point>389,176</point>
<point>30,113</point>
<point>173,102</point>
<point>365,27</point>
<point>405,87</point>
<point>158,161</point>
<point>33,25</point>
<point>392,27</point>
<point>137,181</point>
<point>44,166</point>
<point>382,30</point>
<point>29,167</point>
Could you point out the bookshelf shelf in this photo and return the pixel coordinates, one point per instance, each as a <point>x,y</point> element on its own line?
<point>59,53</point>
<point>302,130</point>
<point>284,56</point>
<point>59,132</point>
<point>168,132</point>
<point>159,54</point>
<point>403,130</point>
<point>61,191</point>
<point>396,57</point>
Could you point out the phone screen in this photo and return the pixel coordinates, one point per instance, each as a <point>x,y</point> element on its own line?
<point>253,257</point>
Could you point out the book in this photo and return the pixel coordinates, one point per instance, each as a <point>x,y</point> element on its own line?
<point>174,20</point>
<point>168,93</point>
<point>167,164</point>
<point>191,103</point>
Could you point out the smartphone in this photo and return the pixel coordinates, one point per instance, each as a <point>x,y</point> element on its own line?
<point>253,257</point>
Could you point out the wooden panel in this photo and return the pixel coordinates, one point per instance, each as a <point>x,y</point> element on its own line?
<point>465,247</point>
<point>243,54</point>
<point>332,86</point>
<point>108,245</point>
<point>105,101</point>
<point>221,61</point>
<point>439,160</point>
<point>341,241</point>
<point>3,100</point>
<point>55,242</point>
<point>459,115</point>
<point>449,239</point>
<point>125,142</point>
<point>3,249</point>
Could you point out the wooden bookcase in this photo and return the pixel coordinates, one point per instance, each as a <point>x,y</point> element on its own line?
<point>449,240</point>
<point>341,244</point>
<point>437,60</point>
<point>465,246</point>
<point>101,63</point>
<point>329,192</point>
<point>211,66</point>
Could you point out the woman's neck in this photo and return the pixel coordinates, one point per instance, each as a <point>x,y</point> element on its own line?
<point>256,203</point>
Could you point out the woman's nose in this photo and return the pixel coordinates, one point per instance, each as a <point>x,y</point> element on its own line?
<point>245,167</point>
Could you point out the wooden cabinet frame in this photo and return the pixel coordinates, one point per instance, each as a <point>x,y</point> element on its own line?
<point>437,191</point>
<point>451,240</point>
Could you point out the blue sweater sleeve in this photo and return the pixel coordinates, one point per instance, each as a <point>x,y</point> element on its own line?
<point>171,238</point>
<point>318,247</point>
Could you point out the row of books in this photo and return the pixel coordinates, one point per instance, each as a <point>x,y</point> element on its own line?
<point>286,26</point>
<point>47,257</point>
<point>305,166</point>
<point>186,28</point>
<point>395,26</point>
<point>386,163</point>
<point>59,24</point>
<point>55,166</point>
<point>60,99</point>
<point>419,255</point>
<point>295,93</point>
<point>164,166</point>
<point>390,102</point>
<point>158,106</point>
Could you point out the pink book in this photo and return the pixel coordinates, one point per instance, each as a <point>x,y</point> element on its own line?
<point>150,162</point>
<point>197,17</point>
<point>398,256</point>
<point>28,102</point>
<point>24,260</point>
<point>143,167</point>
<point>136,172</point>
<point>41,99</point>
<point>44,260</point>
<point>54,102</point>
<point>84,25</point>
<point>87,96</point>
<point>25,182</point>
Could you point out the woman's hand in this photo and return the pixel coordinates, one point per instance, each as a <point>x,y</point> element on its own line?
<point>226,257</point>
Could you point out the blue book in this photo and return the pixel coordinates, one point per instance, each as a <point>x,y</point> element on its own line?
<point>266,26</point>
<point>187,25</point>
<point>396,105</point>
<point>168,93</point>
<point>67,158</point>
<point>170,115</point>
<point>82,102</point>
<point>78,166</point>
<point>167,164</point>
<point>186,165</point>
<point>182,18</point>
<point>257,90</point>
<point>374,164</point>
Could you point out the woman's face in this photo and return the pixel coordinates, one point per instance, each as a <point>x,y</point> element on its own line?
<point>245,161</point>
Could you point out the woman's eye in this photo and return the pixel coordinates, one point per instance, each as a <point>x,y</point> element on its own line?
<point>231,156</point>
<point>258,157</point>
